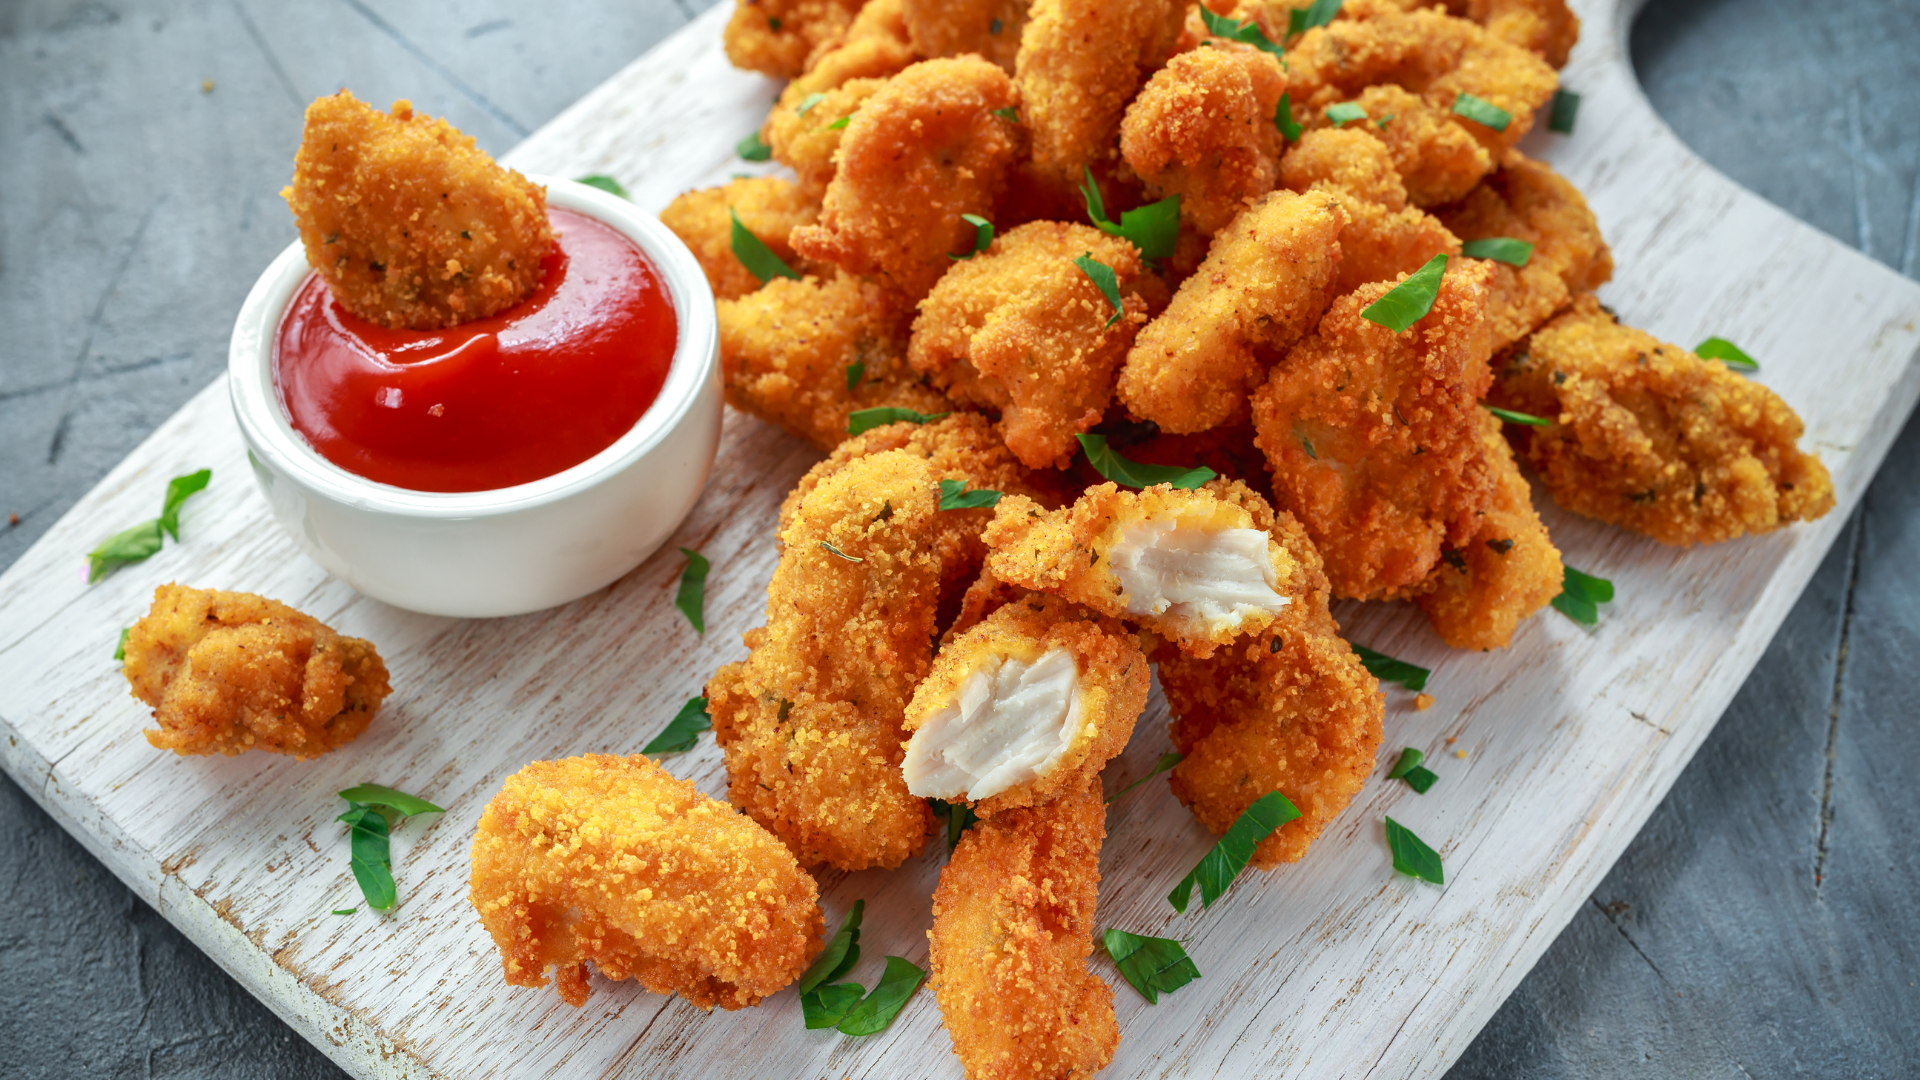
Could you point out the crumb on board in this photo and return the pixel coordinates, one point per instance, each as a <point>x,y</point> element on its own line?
<point>1451,740</point>
<point>1422,702</point>
<point>206,86</point>
<point>1460,753</point>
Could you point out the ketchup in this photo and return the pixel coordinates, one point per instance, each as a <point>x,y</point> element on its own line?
<point>491,403</point>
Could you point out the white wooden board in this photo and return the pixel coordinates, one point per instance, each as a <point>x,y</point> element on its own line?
<point>1332,967</point>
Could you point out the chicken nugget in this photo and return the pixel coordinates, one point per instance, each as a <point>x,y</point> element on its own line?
<point>1022,328</point>
<point>810,721</point>
<point>924,149</point>
<point>1544,27</point>
<point>1027,705</point>
<point>1652,438</point>
<point>1192,566</point>
<point>1264,284</point>
<point>769,208</point>
<point>1383,238</point>
<point>411,225</point>
<point>227,672</point>
<point>1080,62</point>
<point>612,860</point>
<point>801,133</point>
<point>1438,161</point>
<point>875,46</point>
<point>776,37</point>
<point>1012,929</point>
<point>1291,709</point>
<point>1202,128</point>
<point>988,28</point>
<point>805,354</point>
<point>1374,437</point>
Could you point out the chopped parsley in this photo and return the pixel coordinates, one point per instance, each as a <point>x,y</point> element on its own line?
<point>1104,279</point>
<point>861,420</point>
<point>1167,761</point>
<point>1217,869</point>
<point>1719,348</point>
<point>755,255</point>
<point>1411,855</point>
<point>1345,112</point>
<point>1108,463</point>
<point>982,235</point>
<point>346,911</point>
<point>178,489</point>
<point>1408,768</point>
<point>1151,965</point>
<point>838,958</point>
<point>143,540</point>
<point>693,589</point>
<point>1500,249</point>
<point>1283,119</point>
<point>958,816</point>
<point>607,184</point>
<point>1010,114</point>
<point>831,550</point>
<point>955,496</point>
<point>1513,417</point>
<point>120,650</point>
<point>840,123</point>
<point>828,1005</point>
<point>1246,33</point>
<point>1387,669</point>
<point>855,372</point>
<point>1153,228</point>
<point>371,809</point>
<point>1319,13</point>
<point>807,103</point>
<point>752,148</point>
<point>1408,302</point>
<point>1482,111</point>
<point>1566,106</point>
<point>683,731</point>
<point>875,1013</point>
<point>1581,596</point>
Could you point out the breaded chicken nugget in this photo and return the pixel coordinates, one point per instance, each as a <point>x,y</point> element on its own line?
<point>1652,438</point>
<point>1383,238</point>
<point>1202,128</point>
<point>810,721</point>
<point>1027,705</point>
<point>876,46</point>
<point>228,672</point>
<point>801,133</point>
<point>788,350</point>
<point>775,37</point>
<point>1506,571</point>
<point>923,150</point>
<point>1080,62</point>
<point>408,222</point>
<point>768,206</point>
<point>1021,328</point>
<point>1012,930</point>
<point>1265,282</point>
<point>1291,709</point>
<point>1545,27</point>
<point>612,860</point>
<point>1527,200</point>
<point>1192,566</point>
<point>1374,437</point>
<point>989,28</point>
<point>1438,161</point>
<point>985,596</point>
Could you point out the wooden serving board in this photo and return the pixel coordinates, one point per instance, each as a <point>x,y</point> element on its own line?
<point>1332,967</point>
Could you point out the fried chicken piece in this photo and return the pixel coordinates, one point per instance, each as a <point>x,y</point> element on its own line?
<point>1383,238</point>
<point>988,28</point>
<point>876,46</point>
<point>1506,571</point>
<point>924,149</point>
<point>1080,62</point>
<point>409,223</point>
<point>1202,128</point>
<point>1291,709</point>
<point>227,672</point>
<point>612,860</point>
<point>786,350</point>
<point>1022,329</point>
<point>1027,705</point>
<point>1438,161</point>
<point>1544,27</point>
<point>1192,566</point>
<point>1265,282</point>
<point>985,596</point>
<point>1527,200</point>
<point>1652,438</point>
<point>800,131</point>
<point>768,206</point>
<point>1012,929</point>
<point>1374,437</point>
<point>810,721</point>
<point>776,37</point>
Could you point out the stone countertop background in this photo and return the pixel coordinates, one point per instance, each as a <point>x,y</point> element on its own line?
<point>1764,922</point>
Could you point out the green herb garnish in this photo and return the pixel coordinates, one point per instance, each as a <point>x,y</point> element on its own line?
<point>876,1012</point>
<point>1108,463</point>
<point>1719,348</point>
<point>1387,669</point>
<point>1412,856</point>
<point>1167,761</point>
<point>827,1006</point>
<point>683,730</point>
<point>370,810</point>
<point>752,148</point>
<point>346,911</point>
<point>855,372</point>
<point>1500,249</point>
<point>1105,280</point>
<point>1482,111</point>
<point>1581,596</point>
<point>830,549</point>
<point>838,958</point>
<point>955,496</point>
<point>1217,869</point>
<point>1408,768</point>
<point>863,420</point>
<point>982,235</point>
<point>840,123</point>
<point>808,102</point>
<point>958,816</point>
<point>1408,302</point>
<point>1283,119</point>
<point>178,489</point>
<point>143,540</point>
<point>1010,114</point>
<point>1246,33</point>
<point>378,795</point>
<point>120,650</point>
<point>1513,417</point>
<point>1152,965</point>
<point>1345,112</point>
<point>1320,13</point>
<point>607,184</point>
<point>756,256</point>
<point>693,589</point>
<point>1153,229</point>
<point>1566,106</point>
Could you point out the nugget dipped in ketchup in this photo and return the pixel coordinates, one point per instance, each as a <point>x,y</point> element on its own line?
<point>458,334</point>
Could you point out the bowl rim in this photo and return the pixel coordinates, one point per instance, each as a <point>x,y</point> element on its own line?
<point>264,422</point>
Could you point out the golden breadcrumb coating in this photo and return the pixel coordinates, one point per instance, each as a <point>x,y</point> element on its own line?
<point>1012,930</point>
<point>1374,437</point>
<point>1202,128</point>
<point>1507,570</point>
<point>1384,237</point>
<point>1527,200</point>
<point>1436,158</point>
<point>785,350</point>
<point>876,46</point>
<point>810,721</point>
<point>1022,329</point>
<point>1071,553</point>
<point>776,37</point>
<point>1265,282</point>
<point>1650,437</point>
<point>805,141</point>
<point>1544,27</point>
<point>1080,62</point>
<point>1110,690</point>
<point>408,222</point>
<point>986,595</point>
<point>227,672</point>
<point>1291,709</point>
<point>923,150</point>
<point>988,28</point>
<point>768,206</point>
<point>612,860</point>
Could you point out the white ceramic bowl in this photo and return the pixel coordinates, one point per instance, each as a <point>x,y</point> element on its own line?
<point>516,549</point>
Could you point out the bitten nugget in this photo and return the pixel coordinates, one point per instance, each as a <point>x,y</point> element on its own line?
<point>228,672</point>
<point>989,28</point>
<point>1264,284</point>
<point>612,860</point>
<point>1192,566</point>
<point>1374,437</point>
<point>1384,238</point>
<point>776,37</point>
<point>810,721</point>
<point>1291,709</point>
<point>1202,128</point>
<point>1080,62</point>
<point>1652,438</point>
<point>1012,929</point>
<point>1028,704</point>
<point>768,206</point>
<point>1021,328</point>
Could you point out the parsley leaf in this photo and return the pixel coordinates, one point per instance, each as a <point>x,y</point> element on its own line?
<point>1283,119</point>
<point>982,235</point>
<point>1412,856</point>
<point>1167,761</point>
<point>683,730</point>
<point>841,123</point>
<point>1408,302</point>
<point>874,1014</point>
<point>1104,279</point>
<point>862,420</point>
<point>1409,759</point>
<point>346,911</point>
<point>1345,112</point>
<point>756,256</point>
<point>1566,106</point>
<point>1153,229</point>
<point>831,550</point>
<point>693,589</point>
<point>1500,249</point>
<point>1387,669</point>
<point>1217,869</point>
<point>1320,13</point>
<point>1108,463</point>
<point>855,372</point>
<point>1010,114</point>
<point>955,496</point>
<point>1152,965</point>
<point>607,184</point>
<point>128,546</point>
<point>1420,778</point>
<point>807,103</point>
<point>1408,768</point>
<point>1719,348</point>
<point>398,801</point>
<point>752,148</point>
<point>1512,417</point>
<point>838,958</point>
<point>1482,111</point>
<point>958,816</point>
<point>828,1005</point>
<point>370,845</point>
<point>1246,33</point>
<point>178,489</point>
<point>120,650</point>
<point>1581,596</point>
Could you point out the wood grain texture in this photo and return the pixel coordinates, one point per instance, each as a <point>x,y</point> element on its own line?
<point>1571,736</point>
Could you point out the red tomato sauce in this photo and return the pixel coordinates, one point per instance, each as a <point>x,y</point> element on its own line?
<point>505,400</point>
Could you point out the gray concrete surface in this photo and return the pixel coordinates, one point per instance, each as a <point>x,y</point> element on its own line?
<point>1762,924</point>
